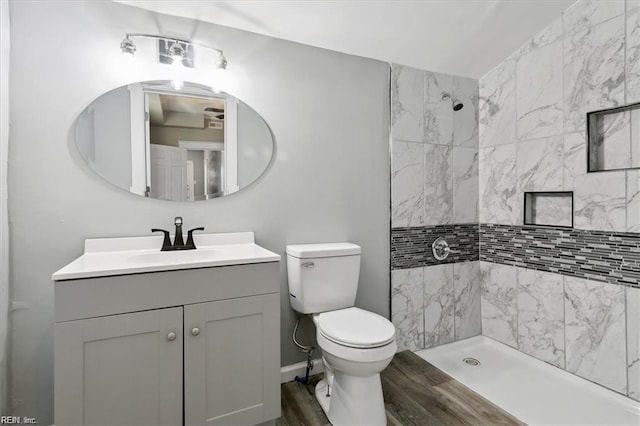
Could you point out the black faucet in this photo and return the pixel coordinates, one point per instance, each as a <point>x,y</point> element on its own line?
<point>178,243</point>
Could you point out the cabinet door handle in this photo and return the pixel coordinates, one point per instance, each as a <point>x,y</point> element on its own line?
<point>195,331</point>
<point>171,336</point>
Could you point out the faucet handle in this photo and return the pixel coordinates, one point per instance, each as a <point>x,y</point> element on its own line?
<point>167,239</point>
<point>190,244</point>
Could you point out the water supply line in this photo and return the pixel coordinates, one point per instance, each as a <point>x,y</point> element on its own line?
<point>307,349</point>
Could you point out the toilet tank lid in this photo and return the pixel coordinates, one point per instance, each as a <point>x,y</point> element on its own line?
<point>304,251</point>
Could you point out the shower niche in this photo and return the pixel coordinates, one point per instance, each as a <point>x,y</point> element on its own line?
<point>549,209</point>
<point>613,138</point>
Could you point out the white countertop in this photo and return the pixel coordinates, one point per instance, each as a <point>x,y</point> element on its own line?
<point>133,255</point>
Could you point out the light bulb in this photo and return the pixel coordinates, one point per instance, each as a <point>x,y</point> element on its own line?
<point>176,61</point>
<point>128,47</point>
<point>176,53</point>
<point>221,64</point>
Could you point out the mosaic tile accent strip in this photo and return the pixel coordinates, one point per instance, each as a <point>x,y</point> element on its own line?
<point>612,257</point>
<point>411,247</point>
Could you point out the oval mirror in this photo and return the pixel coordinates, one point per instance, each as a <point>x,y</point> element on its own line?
<point>191,144</point>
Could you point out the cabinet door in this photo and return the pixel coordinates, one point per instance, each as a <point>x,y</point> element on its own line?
<point>232,373</point>
<point>120,369</point>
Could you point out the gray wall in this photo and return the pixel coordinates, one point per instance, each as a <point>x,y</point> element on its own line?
<point>165,135</point>
<point>329,181</point>
<point>4,224</point>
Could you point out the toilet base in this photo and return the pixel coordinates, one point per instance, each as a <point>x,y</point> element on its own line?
<point>353,400</point>
<point>321,396</point>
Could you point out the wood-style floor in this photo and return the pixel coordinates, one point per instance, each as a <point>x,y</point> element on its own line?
<point>415,393</point>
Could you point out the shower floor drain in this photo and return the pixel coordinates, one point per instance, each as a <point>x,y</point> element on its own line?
<point>471,361</point>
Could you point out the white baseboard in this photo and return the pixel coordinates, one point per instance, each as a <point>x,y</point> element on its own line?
<point>289,372</point>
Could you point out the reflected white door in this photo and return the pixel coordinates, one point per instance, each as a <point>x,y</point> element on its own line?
<point>190,181</point>
<point>168,172</point>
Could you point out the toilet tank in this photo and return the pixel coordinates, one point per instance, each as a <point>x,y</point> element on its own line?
<point>322,277</point>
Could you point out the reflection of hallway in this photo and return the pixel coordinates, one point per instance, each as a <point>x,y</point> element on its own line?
<point>185,174</point>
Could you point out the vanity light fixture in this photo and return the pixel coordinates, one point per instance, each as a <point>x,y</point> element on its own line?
<point>173,50</point>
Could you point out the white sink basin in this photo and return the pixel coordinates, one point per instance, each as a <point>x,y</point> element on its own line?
<point>132,255</point>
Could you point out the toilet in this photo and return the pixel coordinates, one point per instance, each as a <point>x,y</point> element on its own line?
<point>356,344</point>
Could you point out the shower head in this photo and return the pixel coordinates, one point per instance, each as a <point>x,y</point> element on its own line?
<point>455,104</point>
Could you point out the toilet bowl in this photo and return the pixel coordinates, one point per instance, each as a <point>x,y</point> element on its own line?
<point>356,344</point>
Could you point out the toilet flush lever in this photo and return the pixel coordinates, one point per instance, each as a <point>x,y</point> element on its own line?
<point>308,265</point>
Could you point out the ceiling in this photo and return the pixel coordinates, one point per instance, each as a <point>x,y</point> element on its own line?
<point>460,37</point>
<point>182,111</point>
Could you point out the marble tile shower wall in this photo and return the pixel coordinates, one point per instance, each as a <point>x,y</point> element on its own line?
<point>434,188</point>
<point>434,305</point>
<point>532,138</point>
<point>532,117</point>
<point>435,150</point>
<point>586,327</point>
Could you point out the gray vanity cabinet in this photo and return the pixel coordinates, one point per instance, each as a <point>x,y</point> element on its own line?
<point>214,345</point>
<point>120,369</point>
<point>226,350</point>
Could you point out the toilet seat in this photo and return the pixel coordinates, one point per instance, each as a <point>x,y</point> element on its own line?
<point>356,328</point>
